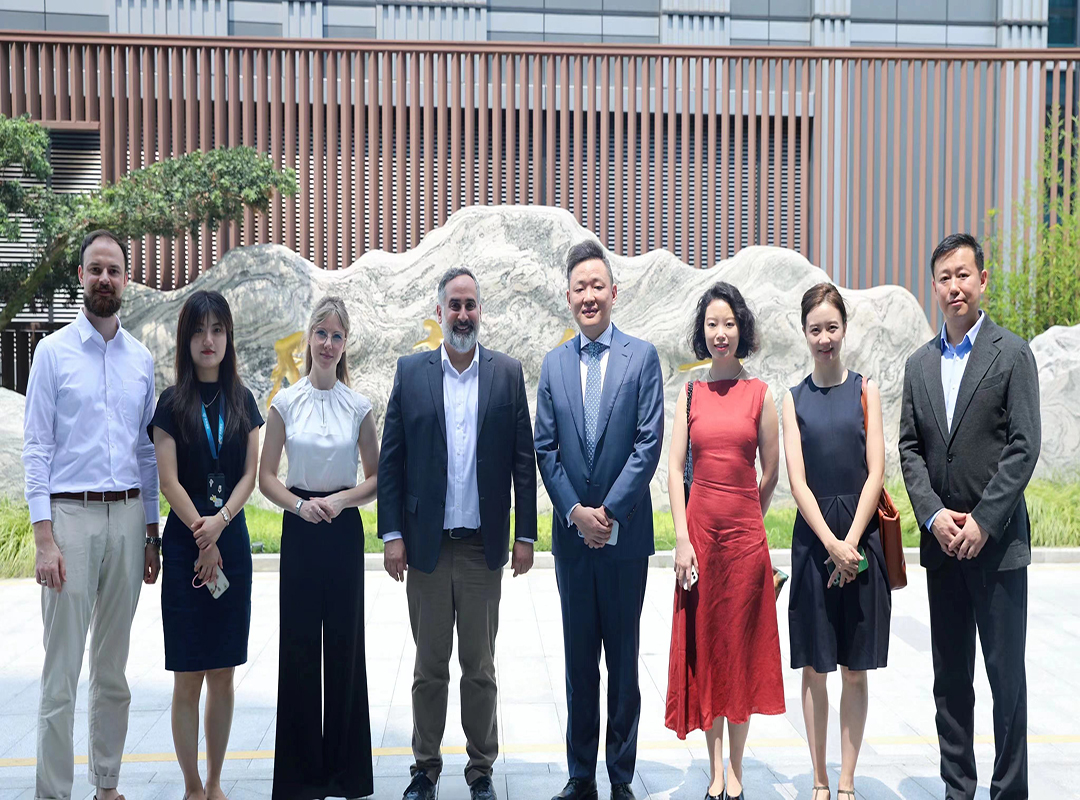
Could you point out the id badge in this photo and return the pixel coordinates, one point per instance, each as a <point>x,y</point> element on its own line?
<point>215,489</point>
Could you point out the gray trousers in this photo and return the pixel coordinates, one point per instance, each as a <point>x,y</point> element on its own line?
<point>103,546</point>
<point>461,589</point>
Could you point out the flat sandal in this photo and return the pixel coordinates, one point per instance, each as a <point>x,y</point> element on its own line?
<point>816,789</point>
<point>848,792</point>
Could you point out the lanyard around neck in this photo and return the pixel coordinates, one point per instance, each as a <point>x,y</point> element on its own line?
<point>221,431</point>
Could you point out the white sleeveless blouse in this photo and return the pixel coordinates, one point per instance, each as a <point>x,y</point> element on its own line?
<point>321,431</point>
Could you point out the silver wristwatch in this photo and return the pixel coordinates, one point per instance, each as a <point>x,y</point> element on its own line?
<point>299,503</point>
<point>154,540</point>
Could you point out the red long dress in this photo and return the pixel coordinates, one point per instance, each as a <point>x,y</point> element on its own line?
<point>725,646</point>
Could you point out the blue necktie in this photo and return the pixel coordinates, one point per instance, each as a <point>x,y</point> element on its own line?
<point>592,397</point>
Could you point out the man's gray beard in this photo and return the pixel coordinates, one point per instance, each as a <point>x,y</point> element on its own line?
<point>101,306</point>
<point>463,343</point>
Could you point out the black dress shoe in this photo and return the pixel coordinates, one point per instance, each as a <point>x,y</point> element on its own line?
<point>421,788</point>
<point>577,789</point>
<point>622,791</point>
<point>481,789</point>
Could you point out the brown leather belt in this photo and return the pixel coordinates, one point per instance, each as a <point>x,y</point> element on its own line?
<point>97,497</point>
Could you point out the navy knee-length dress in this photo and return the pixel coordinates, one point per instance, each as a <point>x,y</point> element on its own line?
<point>846,625</point>
<point>202,633</point>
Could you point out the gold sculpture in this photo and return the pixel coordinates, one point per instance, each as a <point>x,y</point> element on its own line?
<point>290,357</point>
<point>434,337</point>
<point>694,365</point>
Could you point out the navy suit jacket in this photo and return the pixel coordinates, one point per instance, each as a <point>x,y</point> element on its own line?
<point>630,431</point>
<point>412,462</point>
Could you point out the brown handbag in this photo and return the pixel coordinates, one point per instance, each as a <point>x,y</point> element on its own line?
<point>892,540</point>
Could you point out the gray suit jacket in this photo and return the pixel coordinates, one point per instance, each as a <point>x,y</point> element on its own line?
<point>984,462</point>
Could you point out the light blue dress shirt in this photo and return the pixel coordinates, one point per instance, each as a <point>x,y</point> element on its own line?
<point>88,403</point>
<point>953,365</point>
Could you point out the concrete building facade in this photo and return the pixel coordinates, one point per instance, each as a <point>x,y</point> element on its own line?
<point>826,23</point>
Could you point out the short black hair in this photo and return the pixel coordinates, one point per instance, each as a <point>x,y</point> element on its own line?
<point>587,251</point>
<point>953,242</point>
<point>744,319</point>
<point>91,237</point>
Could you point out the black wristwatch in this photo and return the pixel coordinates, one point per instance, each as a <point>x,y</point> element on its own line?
<point>154,540</point>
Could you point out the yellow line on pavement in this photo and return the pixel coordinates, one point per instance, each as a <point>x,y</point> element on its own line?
<point>512,749</point>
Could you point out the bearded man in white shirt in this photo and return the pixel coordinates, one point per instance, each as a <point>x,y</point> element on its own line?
<point>92,488</point>
<point>456,437</point>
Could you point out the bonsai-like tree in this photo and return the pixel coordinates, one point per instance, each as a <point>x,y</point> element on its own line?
<point>168,198</point>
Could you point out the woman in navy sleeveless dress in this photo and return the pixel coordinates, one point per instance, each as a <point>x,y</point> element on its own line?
<point>839,610</point>
<point>206,637</point>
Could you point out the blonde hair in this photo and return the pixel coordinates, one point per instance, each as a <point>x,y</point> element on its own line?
<point>330,304</point>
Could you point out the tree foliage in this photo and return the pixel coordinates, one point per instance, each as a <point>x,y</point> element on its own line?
<point>1034,278</point>
<point>168,198</point>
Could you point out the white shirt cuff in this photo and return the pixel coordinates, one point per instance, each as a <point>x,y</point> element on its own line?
<point>40,509</point>
<point>153,512</point>
<point>569,524</point>
<point>523,539</point>
<point>391,536</point>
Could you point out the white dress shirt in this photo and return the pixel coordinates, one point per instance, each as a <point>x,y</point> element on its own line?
<point>322,428</point>
<point>88,403</point>
<point>459,396</point>
<point>954,362</point>
<point>605,339</point>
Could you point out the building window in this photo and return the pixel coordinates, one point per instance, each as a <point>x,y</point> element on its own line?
<point>1061,24</point>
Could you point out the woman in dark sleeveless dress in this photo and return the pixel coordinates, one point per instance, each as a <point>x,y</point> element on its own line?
<point>725,646</point>
<point>205,428</point>
<point>839,602</point>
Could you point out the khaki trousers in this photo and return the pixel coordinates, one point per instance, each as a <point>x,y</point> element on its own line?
<point>461,588</point>
<point>103,546</point>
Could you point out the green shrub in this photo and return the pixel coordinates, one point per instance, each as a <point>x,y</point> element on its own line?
<point>16,540</point>
<point>1054,507</point>
<point>1034,280</point>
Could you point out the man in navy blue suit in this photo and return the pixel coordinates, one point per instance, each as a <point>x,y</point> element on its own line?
<point>599,427</point>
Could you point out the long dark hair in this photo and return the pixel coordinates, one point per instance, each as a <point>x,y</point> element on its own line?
<point>186,402</point>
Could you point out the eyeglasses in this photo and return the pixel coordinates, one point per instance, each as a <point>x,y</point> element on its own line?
<point>337,340</point>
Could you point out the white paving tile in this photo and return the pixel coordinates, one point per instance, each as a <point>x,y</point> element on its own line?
<point>899,759</point>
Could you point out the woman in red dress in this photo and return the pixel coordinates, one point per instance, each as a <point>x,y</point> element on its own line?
<point>725,646</point>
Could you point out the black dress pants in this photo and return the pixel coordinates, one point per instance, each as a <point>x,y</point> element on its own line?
<point>964,598</point>
<point>601,605</point>
<point>323,746</point>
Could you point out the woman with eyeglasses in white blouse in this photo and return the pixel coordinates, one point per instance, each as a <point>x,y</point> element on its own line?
<point>327,430</point>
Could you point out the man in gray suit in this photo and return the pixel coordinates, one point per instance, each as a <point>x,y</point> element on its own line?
<point>969,440</point>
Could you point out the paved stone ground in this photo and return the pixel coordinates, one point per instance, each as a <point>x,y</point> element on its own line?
<point>899,758</point>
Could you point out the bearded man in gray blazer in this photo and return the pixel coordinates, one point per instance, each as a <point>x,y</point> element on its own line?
<point>970,433</point>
